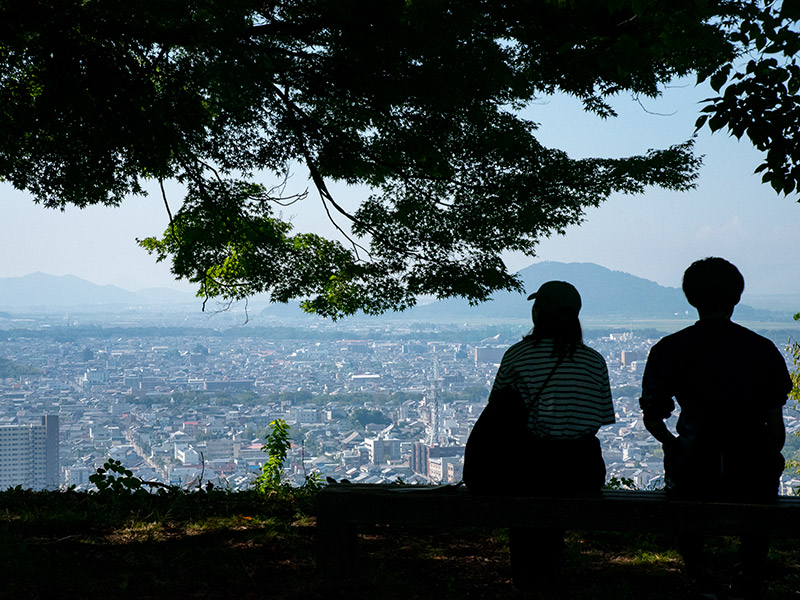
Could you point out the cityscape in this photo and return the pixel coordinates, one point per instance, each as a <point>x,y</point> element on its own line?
<point>370,401</point>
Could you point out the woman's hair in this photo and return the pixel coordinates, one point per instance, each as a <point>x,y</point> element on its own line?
<point>564,330</point>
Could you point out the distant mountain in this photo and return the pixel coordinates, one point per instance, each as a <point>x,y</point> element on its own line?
<point>43,290</point>
<point>607,292</point>
<point>604,293</point>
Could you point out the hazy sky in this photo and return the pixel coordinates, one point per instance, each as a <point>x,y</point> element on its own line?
<point>655,235</point>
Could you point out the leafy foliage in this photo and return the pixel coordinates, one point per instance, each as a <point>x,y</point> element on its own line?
<point>277,444</point>
<point>758,93</point>
<point>620,483</point>
<point>365,416</point>
<point>9,368</point>
<point>420,101</point>
<point>113,477</point>
<point>794,350</point>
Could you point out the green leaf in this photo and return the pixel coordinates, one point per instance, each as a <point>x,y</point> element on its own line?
<point>719,78</point>
<point>716,122</point>
<point>700,122</point>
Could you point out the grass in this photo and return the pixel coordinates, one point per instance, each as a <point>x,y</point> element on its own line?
<point>246,545</point>
<point>198,545</point>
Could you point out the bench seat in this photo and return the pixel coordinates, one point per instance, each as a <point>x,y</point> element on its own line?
<point>343,508</point>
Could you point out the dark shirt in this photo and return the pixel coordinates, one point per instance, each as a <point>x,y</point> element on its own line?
<point>726,379</point>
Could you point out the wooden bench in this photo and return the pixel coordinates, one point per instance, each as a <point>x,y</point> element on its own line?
<point>343,508</point>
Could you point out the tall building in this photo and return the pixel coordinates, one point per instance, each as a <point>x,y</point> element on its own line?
<point>629,356</point>
<point>422,455</point>
<point>380,450</point>
<point>29,455</point>
<point>489,354</point>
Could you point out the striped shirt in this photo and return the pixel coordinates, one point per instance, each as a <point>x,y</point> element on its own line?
<point>575,402</point>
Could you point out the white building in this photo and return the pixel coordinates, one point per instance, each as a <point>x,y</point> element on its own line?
<point>186,454</point>
<point>78,475</point>
<point>29,455</point>
<point>94,377</point>
<point>382,450</point>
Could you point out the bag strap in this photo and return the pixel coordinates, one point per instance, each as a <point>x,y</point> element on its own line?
<point>535,399</point>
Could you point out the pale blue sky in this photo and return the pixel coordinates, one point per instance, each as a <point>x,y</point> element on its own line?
<point>655,235</point>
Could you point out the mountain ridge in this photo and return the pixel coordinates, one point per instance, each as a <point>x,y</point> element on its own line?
<point>605,292</point>
<point>44,290</point>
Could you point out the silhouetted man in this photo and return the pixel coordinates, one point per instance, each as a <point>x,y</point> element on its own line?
<point>731,385</point>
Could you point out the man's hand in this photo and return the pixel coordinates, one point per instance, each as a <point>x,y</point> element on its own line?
<point>659,429</point>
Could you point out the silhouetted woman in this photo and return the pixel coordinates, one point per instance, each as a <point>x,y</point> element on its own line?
<point>559,388</point>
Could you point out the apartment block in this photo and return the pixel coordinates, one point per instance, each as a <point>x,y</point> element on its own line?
<point>29,455</point>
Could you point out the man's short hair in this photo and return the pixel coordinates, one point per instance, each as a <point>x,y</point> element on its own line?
<point>713,283</point>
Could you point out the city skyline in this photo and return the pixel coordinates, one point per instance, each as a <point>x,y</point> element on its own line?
<point>177,401</point>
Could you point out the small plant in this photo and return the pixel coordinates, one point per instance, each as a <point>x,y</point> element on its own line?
<point>314,482</point>
<point>620,483</point>
<point>276,444</point>
<point>794,350</point>
<point>114,477</point>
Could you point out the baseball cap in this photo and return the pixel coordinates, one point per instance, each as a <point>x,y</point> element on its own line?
<point>557,296</point>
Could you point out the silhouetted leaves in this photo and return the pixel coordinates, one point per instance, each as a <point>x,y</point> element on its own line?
<point>760,98</point>
<point>420,101</point>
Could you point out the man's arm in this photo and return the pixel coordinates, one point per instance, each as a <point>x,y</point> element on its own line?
<point>658,428</point>
<point>776,429</point>
<point>656,401</point>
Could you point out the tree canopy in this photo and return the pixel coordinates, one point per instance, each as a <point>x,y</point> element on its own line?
<point>418,101</point>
